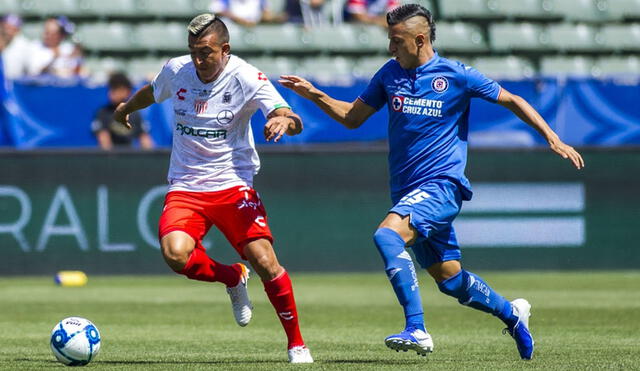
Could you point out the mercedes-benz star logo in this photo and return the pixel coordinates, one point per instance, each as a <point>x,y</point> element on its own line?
<point>224,117</point>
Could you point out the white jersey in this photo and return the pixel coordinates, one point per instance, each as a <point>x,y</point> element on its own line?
<point>213,146</point>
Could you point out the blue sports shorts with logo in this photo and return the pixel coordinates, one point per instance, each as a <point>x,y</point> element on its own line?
<point>432,207</point>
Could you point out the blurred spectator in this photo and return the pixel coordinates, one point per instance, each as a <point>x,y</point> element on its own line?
<point>246,13</point>
<point>54,55</point>
<point>15,47</point>
<point>369,11</point>
<point>308,12</point>
<point>109,132</point>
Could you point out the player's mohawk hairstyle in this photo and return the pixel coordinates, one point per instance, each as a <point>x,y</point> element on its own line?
<point>404,12</point>
<point>206,23</point>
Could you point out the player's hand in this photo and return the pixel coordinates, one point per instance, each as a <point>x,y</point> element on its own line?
<point>567,152</point>
<point>299,85</point>
<point>120,116</point>
<point>276,127</point>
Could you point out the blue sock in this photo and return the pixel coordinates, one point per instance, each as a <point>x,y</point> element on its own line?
<point>402,275</point>
<point>471,290</point>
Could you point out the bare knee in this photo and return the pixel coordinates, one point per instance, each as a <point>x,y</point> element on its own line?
<point>444,270</point>
<point>176,248</point>
<point>263,259</point>
<point>400,225</point>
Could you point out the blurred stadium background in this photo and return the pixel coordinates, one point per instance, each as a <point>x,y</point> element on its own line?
<point>65,204</point>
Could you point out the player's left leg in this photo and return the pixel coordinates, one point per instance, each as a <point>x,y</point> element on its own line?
<point>243,220</point>
<point>471,290</point>
<point>277,285</point>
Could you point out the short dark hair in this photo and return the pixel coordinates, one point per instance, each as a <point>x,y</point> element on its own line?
<point>207,23</point>
<point>119,80</point>
<point>404,12</point>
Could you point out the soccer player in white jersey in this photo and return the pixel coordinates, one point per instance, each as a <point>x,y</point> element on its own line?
<point>213,161</point>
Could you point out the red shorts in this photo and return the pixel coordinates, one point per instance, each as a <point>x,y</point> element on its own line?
<point>238,213</point>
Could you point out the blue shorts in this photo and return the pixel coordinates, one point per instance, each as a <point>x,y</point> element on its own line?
<point>432,207</point>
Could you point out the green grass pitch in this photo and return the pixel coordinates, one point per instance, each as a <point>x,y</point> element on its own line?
<point>581,320</point>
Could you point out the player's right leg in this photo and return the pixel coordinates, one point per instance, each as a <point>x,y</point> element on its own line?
<point>182,227</point>
<point>390,239</point>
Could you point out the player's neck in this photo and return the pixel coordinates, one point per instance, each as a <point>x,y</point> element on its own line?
<point>425,56</point>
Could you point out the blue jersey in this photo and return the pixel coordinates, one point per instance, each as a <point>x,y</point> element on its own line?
<point>428,120</point>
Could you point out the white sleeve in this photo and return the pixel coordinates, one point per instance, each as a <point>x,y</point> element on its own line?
<point>162,84</point>
<point>268,99</point>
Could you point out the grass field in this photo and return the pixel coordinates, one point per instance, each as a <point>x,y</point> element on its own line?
<point>583,320</point>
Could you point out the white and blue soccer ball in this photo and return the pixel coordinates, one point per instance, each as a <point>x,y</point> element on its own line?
<point>75,341</point>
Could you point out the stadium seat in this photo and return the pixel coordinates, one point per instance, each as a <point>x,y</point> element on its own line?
<point>581,10</point>
<point>627,9</point>
<point>144,69</point>
<point>167,8</point>
<point>109,8</point>
<point>528,9</point>
<point>517,36</point>
<point>279,38</point>
<point>620,37</point>
<point>450,9</point>
<point>10,6</point>
<point>33,31</point>
<point>366,67</point>
<point>611,66</point>
<point>327,70</point>
<point>99,68</point>
<point>342,37</point>
<point>115,36</point>
<point>373,39</point>
<point>571,66</point>
<point>44,8</point>
<point>510,67</point>
<point>459,36</point>
<point>162,36</point>
<point>273,67</point>
<point>570,37</point>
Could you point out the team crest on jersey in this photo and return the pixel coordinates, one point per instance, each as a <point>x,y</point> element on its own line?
<point>396,103</point>
<point>439,84</point>
<point>200,106</point>
<point>226,97</point>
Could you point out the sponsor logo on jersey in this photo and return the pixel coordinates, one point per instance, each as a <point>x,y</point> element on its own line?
<point>201,92</point>
<point>439,84</point>
<point>180,93</point>
<point>200,132</point>
<point>262,76</point>
<point>417,106</point>
<point>200,106</point>
<point>224,117</point>
<point>226,97</point>
<point>250,204</point>
<point>180,112</point>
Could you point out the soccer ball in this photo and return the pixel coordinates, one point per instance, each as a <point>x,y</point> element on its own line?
<point>75,341</point>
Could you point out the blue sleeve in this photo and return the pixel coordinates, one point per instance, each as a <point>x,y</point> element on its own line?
<point>374,95</point>
<point>480,86</point>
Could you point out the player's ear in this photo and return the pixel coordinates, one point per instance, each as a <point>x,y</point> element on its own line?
<point>420,40</point>
<point>226,48</point>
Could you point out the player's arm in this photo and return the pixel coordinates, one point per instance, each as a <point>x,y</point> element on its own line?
<point>143,98</point>
<point>528,114</point>
<point>104,140</point>
<point>282,121</point>
<point>349,114</point>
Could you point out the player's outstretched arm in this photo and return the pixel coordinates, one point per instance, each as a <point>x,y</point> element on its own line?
<point>351,115</point>
<point>143,98</point>
<point>528,114</point>
<point>282,121</point>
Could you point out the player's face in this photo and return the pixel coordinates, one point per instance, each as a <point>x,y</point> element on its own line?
<point>208,55</point>
<point>403,46</point>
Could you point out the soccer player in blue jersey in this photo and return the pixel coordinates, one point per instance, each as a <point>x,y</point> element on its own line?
<point>428,101</point>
